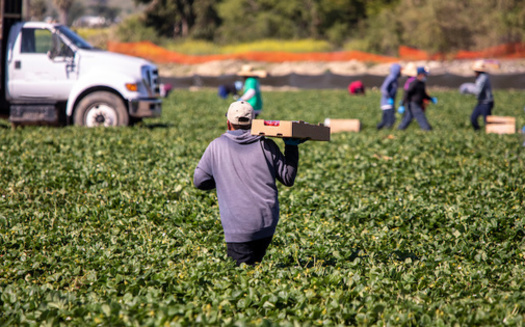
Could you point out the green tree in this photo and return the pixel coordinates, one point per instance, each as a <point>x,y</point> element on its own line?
<point>511,20</point>
<point>236,20</point>
<point>37,9</point>
<point>338,18</point>
<point>245,20</point>
<point>134,29</point>
<point>171,18</point>
<point>77,10</point>
<point>373,25</point>
<point>63,7</point>
<point>444,25</point>
<point>206,20</point>
<point>102,8</point>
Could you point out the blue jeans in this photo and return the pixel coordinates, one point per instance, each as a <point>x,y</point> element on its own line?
<point>481,109</point>
<point>412,111</point>
<point>388,119</point>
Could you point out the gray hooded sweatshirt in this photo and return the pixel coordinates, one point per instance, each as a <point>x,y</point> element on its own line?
<point>483,90</point>
<point>243,168</point>
<point>389,87</point>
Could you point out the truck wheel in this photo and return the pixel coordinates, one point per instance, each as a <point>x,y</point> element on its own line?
<point>101,109</point>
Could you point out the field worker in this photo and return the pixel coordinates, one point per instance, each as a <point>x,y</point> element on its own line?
<point>225,90</point>
<point>414,99</point>
<point>252,87</point>
<point>243,168</point>
<point>356,88</point>
<point>388,97</point>
<point>483,92</point>
<point>410,71</point>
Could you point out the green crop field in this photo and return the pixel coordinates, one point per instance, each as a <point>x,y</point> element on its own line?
<point>103,227</point>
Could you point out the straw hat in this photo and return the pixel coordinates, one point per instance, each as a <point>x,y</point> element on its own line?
<point>479,66</point>
<point>248,71</point>
<point>409,70</point>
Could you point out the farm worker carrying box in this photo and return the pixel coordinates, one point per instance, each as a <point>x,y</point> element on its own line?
<point>243,168</point>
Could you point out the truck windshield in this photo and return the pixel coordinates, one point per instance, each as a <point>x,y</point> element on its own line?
<point>74,38</point>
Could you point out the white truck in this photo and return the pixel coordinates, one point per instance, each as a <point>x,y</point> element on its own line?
<point>50,75</point>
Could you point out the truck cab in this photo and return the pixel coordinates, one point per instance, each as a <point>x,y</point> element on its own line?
<point>52,75</point>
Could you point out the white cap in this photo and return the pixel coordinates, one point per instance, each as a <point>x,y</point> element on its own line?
<point>240,113</point>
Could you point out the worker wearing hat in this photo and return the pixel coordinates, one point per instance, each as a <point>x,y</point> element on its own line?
<point>410,71</point>
<point>243,168</point>
<point>252,87</point>
<point>414,99</point>
<point>483,93</point>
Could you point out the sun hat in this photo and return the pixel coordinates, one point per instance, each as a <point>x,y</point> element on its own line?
<point>409,70</point>
<point>248,71</point>
<point>479,66</point>
<point>240,113</point>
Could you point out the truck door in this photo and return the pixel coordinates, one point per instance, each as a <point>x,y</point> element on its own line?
<point>42,66</point>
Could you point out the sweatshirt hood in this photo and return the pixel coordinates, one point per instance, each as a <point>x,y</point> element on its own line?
<point>242,136</point>
<point>395,70</point>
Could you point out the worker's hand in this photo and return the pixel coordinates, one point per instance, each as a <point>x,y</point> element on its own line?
<point>434,100</point>
<point>390,101</point>
<point>293,141</point>
<point>401,109</point>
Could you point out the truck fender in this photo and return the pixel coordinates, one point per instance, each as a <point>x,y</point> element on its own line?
<point>92,82</point>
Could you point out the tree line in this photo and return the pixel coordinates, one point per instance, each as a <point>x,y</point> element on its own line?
<point>378,26</point>
<point>372,25</point>
<point>66,11</point>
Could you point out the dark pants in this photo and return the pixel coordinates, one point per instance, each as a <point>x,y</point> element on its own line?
<point>414,110</point>
<point>388,119</point>
<point>249,252</point>
<point>481,109</point>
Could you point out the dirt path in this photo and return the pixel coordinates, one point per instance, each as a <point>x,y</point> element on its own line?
<point>231,67</point>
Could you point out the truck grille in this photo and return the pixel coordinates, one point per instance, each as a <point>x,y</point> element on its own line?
<point>150,76</point>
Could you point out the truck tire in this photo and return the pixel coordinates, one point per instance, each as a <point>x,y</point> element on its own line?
<point>101,109</point>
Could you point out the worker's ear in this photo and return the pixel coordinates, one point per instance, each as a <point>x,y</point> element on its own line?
<point>230,127</point>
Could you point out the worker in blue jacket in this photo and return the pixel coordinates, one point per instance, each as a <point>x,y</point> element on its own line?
<point>388,97</point>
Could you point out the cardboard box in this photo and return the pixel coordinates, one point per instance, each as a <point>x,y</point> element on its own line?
<point>343,125</point>
<point>295,129</point>
<point>500,120</point>
<point>500,128</point>
<point>500,125</point>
